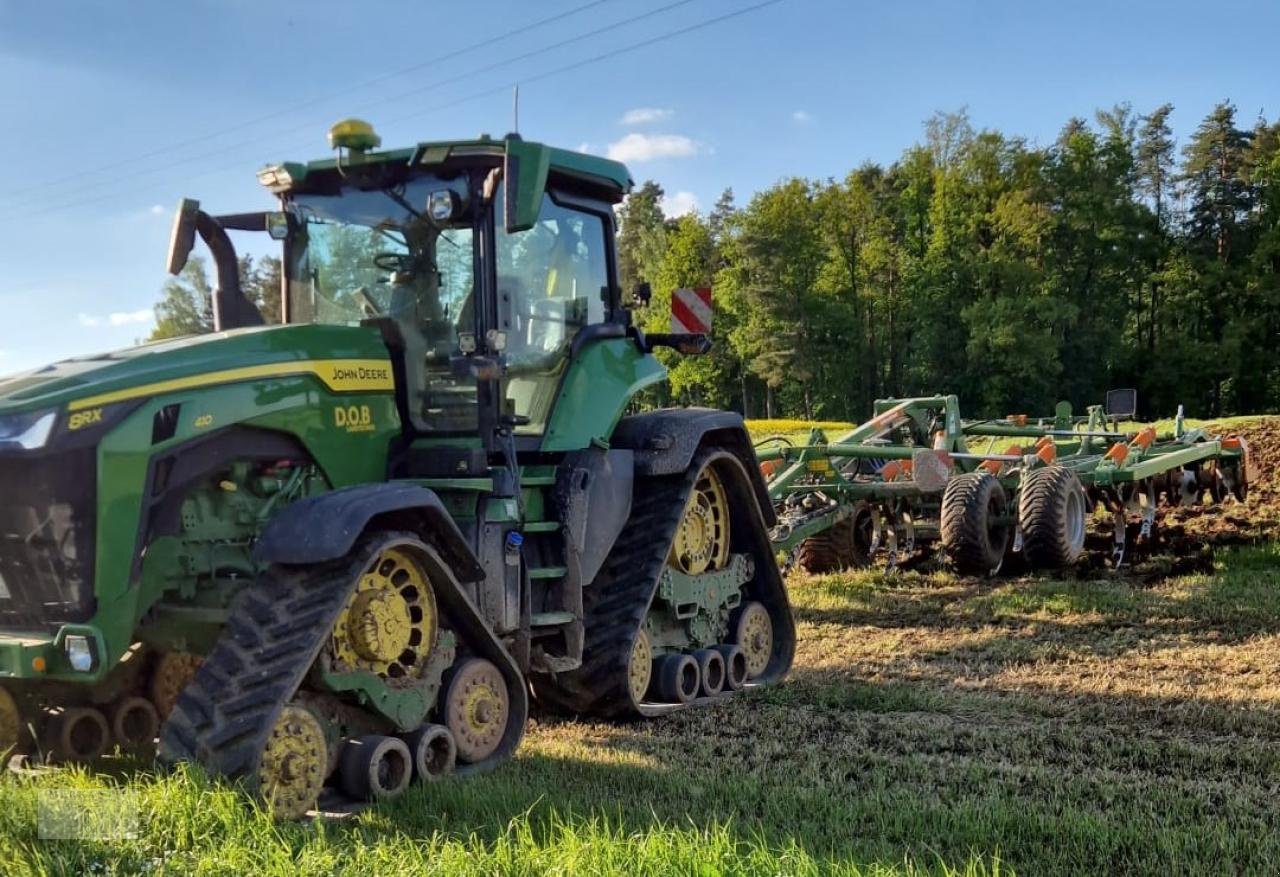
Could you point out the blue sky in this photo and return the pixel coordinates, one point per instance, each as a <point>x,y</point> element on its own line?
<point>114,111</point>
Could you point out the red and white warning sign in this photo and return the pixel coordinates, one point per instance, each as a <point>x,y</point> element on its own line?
<point>691,311</point>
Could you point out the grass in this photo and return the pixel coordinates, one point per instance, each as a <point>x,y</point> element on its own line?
<point>932,724</point>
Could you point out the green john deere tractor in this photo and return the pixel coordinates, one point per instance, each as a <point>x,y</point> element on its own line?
<point>342,551</point>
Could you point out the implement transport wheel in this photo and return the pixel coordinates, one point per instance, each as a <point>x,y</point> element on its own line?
<point>678,678</point>
<point>847,545</point>
<point>640,666</point>
<point>375,768</point>
<point>753,632</point>
<point>78,735</point>
<point>476,709</point>
<point>702,537</point>
<point>1051,511</point>
<point>294,763</point>
<point>975,523</point>
<point>173,671</point>
<point>433,750</point>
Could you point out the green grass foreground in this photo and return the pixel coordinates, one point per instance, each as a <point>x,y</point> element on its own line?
<point>932,724</point>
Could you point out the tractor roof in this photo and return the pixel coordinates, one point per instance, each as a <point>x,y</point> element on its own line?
<point>591,169</point>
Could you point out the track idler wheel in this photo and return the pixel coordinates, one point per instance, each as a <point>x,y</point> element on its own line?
<point>134,724</point>
<point>77,735</point>
<point>476,709</point>
<point>975,523</point>
<point>711,670</point>
<point>735,667</point>
<point>433,752</point>
<point>640,666</point>
<point>12,730</point>
<point>753,633</point>
<point>1051,512</point>
<point>677,678</point>
<point>374,767</point>
<point>292,769</point>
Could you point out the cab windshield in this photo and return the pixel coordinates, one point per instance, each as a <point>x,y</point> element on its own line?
<point>378,253</point>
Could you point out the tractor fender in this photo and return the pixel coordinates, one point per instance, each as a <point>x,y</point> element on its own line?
<point>665,441</point>
<point>325,527</point>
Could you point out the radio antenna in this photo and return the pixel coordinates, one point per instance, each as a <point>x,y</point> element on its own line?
<point>515,109</point>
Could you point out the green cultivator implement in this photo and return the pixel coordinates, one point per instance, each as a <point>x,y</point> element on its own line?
<point>340,552</point>
<point>913,477</point>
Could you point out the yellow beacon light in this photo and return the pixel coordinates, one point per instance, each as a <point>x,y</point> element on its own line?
<point>355,135</point>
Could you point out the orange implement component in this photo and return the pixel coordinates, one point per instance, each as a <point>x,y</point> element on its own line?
<point>768,467</point>
<point>1017,419</point>
<point>1145,438</point>
<point>992,466</point>
<point>1044,440</point>
<point>1048,452</point>
<point>1232,443</point>
<point>891,470</point>
<point>1118,453</point>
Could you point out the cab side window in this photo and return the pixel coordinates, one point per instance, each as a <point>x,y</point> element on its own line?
<point>553,280</point>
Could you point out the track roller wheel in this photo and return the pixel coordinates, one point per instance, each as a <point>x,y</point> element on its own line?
<point>847,545</point>
<point>134,724</point>
<point>640,666</point>
<point>12,730</point>
<point>294,763</point>
<point>433,751</point>
<point>975,523</point>
<point>77,735</point>
<point>476,709</point>
<point>678,679</point>
<point>735,666</point>
<point>374,767</point>
<point>173,671</point>
<point>711,669</point>
<point>1051,511</point>
<point>753,632</point>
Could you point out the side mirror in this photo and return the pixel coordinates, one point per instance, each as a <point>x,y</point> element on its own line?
<point>183,237</point>
<point>643,293</point>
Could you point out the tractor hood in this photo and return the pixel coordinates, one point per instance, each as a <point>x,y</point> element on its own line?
<point>223,357</point>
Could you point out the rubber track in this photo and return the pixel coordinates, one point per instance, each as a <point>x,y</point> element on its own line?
<point>964,532</point>
<point>276,627</point>
<point>616,603</point>
<point>1042,515</point>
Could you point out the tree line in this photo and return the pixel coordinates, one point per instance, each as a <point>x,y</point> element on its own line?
<point>1011,274</point>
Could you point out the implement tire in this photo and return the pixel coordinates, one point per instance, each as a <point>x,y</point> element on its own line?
<point>847,545</point>
<point>1051,511</point>
<point>975,523</point>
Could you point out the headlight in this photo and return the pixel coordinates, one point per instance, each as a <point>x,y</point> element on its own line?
<point>27,431</point>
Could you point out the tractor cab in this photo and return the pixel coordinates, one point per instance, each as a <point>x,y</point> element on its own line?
<point>482,263</point>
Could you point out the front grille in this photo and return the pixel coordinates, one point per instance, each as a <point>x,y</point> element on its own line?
<point>46,538</point>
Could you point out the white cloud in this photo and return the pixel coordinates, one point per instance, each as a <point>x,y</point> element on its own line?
<point>157,210</point>
<point>647,147</point>
<point>124,318</point>
<point>679,204</point>
<point>117,318</point>
<point>802,117</point>
<point>587,147</point>
<point>645,116</point>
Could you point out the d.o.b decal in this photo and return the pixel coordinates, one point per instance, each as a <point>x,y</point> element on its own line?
<point>354,418</point>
